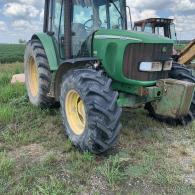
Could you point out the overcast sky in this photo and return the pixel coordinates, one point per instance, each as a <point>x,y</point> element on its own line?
<point>19,19</point>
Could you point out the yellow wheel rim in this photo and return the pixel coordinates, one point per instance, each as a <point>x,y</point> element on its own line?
<point>33,77</point>
<point>75,112</point>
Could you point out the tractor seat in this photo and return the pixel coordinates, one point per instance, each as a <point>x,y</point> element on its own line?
<point>80,35</point>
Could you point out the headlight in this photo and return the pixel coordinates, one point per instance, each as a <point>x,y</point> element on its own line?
<point>150,66</point>
<point>168,65</point>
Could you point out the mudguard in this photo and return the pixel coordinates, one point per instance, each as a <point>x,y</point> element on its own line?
<point>49,48</point>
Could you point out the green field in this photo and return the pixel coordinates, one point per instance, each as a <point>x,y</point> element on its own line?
<point>37,158</point>
<point>10,53</point>
<point>179,47</point>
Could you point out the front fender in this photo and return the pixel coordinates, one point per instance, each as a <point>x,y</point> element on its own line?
<point>49,48</point>
<point>65,67</point>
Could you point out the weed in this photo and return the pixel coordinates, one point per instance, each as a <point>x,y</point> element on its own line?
<point>53,186</point>
<point>145,164</point>
<point>167,174</point>
<point>112,170</point>
<point>50,159</point>
<point>6,114</point>
<point>6,165</point>
<point>4,79</point>
<point>88,156</point>
<point>10,93</point>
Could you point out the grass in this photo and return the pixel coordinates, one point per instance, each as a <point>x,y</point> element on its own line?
<point>112,170</point>
<point>6,114</point>
<point>10,53</point>
<point>36,157</point>
<point>6,165</point>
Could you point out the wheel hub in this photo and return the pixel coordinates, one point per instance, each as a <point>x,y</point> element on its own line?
<point>75,112</point>
<point>33,77</point>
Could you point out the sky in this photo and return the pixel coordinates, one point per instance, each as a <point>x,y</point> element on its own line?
<point>19,19</point>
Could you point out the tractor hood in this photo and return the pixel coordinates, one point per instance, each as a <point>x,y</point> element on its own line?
<point>132,36</point>
<point>121,52</point>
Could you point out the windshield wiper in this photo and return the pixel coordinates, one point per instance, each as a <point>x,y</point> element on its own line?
<point>116,8</point>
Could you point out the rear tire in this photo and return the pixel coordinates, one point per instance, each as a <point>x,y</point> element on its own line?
<point>96,125</point>
<point>37,74</point>
<point>179,72</point>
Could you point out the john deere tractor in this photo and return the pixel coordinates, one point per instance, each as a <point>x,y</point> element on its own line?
<point>87,60</point>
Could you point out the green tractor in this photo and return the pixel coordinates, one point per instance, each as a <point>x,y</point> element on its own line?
<point>160,26</point>
<point>89,62</point>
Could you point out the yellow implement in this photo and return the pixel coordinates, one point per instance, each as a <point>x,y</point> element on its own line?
<point>188,54</point>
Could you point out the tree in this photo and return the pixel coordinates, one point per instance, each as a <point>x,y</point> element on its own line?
<point>22,41</point>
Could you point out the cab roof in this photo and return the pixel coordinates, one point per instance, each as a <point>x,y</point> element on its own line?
<point>155,21</point>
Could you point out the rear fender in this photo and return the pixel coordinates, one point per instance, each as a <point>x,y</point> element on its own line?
<point>49,48</point>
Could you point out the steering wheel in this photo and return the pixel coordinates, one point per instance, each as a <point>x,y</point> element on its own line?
<point>85,24</point>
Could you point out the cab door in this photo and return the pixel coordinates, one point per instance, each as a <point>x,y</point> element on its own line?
<point>54,23</point>
<point>58,25</point>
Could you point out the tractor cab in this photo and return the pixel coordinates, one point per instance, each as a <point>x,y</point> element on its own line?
<point>160,26</point>
<point>73,33</point>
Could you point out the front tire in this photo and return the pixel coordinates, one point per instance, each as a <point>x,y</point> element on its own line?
<point>179,72</point>
<point>89,110</point>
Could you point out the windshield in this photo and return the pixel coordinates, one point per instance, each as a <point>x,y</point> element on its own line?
<point>92,15</point>
<point>97,14</point>
<point>160,31</point>
<point>148,28</point>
